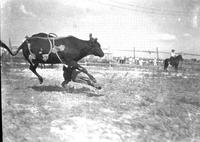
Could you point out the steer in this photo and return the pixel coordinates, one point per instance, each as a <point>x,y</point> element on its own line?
<point>49,49</point>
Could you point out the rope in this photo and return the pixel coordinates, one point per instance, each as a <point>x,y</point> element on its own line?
<point>51,44</point>
<point>29,48</point>
<point>42,37</point>
<point>53,34</point>
<point>59,58</point>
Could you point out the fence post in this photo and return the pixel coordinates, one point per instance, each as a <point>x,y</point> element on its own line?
<point>157,52</point>
<point>133,56</point>
<point>157,55</point>
<point>10,56</point>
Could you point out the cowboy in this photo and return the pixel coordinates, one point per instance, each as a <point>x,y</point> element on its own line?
<point>72,74</point>
<point>172,55</point>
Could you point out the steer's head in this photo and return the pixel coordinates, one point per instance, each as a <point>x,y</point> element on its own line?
<point>95,47</point>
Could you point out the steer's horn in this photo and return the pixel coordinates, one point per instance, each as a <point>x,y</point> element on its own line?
<point>90,35</point>
<point>26,37</point>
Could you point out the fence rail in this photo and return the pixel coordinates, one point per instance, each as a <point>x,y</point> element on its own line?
<point>110,56</point>
<point>163,52</point>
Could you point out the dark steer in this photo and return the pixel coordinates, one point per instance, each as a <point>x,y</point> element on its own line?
<point>48,49</point>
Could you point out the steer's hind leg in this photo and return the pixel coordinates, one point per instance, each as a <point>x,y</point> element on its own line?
<point>33,69</point>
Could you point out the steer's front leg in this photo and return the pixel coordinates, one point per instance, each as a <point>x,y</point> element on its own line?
<point>82,69</point>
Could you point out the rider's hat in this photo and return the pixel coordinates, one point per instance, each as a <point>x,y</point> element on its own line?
<point>172,50</point>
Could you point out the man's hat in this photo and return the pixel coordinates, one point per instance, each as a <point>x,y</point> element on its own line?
<point>172,50</point>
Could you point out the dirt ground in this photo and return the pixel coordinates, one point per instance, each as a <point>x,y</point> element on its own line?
<point>135,105</point>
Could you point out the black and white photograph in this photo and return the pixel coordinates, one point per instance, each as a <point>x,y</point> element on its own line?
<point>100,70</point>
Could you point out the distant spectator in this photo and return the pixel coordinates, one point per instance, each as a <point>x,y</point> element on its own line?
<point>155,62</point>
<point>122,60</point>
<point>141,62</point>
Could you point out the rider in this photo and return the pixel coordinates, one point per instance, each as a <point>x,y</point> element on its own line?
<point>72,74</point>
<point>172,55</point>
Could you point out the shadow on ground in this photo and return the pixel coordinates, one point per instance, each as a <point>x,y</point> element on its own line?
<point>51,88</point>
<point>94,95</point>
<point>48,88</point>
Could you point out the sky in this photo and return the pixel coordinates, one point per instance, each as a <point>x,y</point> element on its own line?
<point>118,24</point>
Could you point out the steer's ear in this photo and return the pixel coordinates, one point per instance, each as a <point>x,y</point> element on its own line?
<point>95,39</point>
<point>90,36</point>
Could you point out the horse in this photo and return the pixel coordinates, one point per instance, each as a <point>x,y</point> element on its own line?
<point>173,61</point>
<point>49,49</point>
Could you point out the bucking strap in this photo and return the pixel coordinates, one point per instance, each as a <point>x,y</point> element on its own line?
<point>51,45</point>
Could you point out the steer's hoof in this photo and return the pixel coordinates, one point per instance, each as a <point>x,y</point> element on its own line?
<point>67,87</point>
<point>41,80</point>
<point>63,85</point>
<point>97,86</point>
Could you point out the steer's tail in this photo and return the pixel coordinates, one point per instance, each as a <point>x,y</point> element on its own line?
<point>8,49</point>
